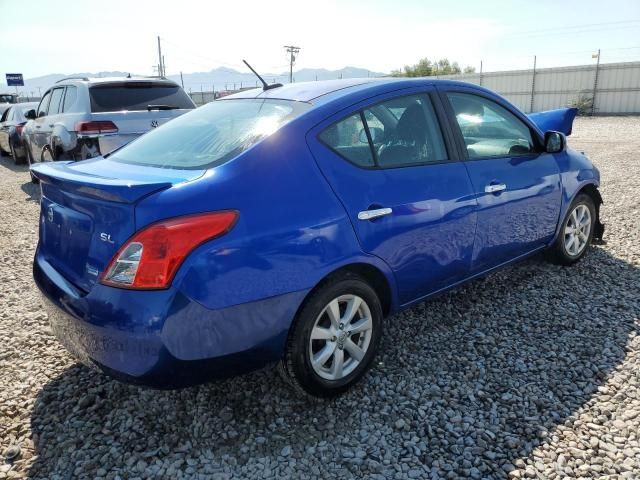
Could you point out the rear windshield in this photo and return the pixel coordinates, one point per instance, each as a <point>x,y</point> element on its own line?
<point>8,99</point>
<point>137,96</point>
<point>210,135</point>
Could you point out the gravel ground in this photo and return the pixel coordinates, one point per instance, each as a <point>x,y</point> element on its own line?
<point>532,372</point>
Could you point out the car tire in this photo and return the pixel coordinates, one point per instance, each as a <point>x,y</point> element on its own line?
<point>576,231</point>
<point>16,159</point>
<point>345,316</point>
<point>30,162</point>
<point>47,154</point>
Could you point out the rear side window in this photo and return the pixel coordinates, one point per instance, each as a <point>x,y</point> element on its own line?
<point>56,99</point>
<point>210,135</point>
<point>488,129</point>
<point>400,132</point>
<point>348,138</point>
<point>137,96</point>
<point>69,98</point>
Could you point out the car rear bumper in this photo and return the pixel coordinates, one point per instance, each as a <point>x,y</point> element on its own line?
<point>162,339</point>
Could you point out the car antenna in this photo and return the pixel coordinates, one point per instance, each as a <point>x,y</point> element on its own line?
<point>265,85</point>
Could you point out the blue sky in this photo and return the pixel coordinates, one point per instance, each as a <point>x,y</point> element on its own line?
<point>381,35</point>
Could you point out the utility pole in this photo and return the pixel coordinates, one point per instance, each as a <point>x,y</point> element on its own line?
<point>160,60</point>
<point>164,67</point>
<point>181,80</point>
<point>595,83</point>
<point>480,72</point>
<point>39,92</point>
<point>292,51</point>
<point>533,84</point>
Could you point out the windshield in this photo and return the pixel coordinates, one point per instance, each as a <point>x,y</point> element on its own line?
<point>210,135</point>
<point>8,99</point>
<point>137,96</point>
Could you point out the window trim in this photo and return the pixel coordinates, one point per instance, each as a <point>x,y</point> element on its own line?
<point>457,132</point>
<point>431,95</point>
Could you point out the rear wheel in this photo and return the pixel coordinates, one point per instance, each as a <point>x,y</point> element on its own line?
<point>576,232</point>
<point>16,159</point>
<point>334,338</point>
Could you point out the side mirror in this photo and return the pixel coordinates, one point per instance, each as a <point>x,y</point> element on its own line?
<point>30,114</point>
<point>555,142</point>
<point>377,135</point>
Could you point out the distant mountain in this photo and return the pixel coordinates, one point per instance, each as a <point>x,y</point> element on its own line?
<point>221,78</point>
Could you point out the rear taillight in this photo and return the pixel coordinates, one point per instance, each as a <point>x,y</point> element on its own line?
<point>151,258</point>
<point>19,129</point>
<point>96,127</point>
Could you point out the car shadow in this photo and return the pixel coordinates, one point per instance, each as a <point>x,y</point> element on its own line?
<point>546,364</point>
<point>31,189</point>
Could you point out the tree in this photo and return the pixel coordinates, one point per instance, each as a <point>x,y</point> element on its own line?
<point>427,68</point>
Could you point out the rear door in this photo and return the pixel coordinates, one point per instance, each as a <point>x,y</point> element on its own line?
<point>407,195</point>
<point>516,183</point>
<point>48,122</point>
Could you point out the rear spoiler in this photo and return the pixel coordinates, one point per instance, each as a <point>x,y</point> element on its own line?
<point>560,120</point>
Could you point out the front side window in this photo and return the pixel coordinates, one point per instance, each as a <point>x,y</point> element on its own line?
<point>488,129</point>
<point>210,135</point>
<point>8,99</point>
<point>403,131</point>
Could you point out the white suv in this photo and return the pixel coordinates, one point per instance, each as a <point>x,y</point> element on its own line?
<point>80,118</point>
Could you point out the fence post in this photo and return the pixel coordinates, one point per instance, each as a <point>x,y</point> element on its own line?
<point>595,85</point>
<point>533,84</point>
<point>480,72</point>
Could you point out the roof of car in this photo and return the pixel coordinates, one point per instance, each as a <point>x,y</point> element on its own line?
<point>314,91</point>
<point>98,80</point>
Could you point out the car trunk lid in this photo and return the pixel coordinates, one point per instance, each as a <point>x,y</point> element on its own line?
<point>87,211</point>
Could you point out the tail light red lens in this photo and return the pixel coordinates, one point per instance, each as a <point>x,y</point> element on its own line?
<point>96,127</point>
<point>151,258</point>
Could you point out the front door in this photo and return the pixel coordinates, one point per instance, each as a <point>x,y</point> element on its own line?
<point>517,185</point>
<point>409,199</point>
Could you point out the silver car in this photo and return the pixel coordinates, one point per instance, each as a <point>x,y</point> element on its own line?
<point>80,118</point>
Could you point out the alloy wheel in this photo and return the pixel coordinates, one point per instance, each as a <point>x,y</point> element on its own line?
<point>577,230</point>
<point>340,337</point>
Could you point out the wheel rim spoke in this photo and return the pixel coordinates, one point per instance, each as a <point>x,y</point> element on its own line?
<point>320,358</point>
<point>320,333</point>
<point>352,308</point>
<point>361,325</point>
<point>338,364</point>
<point>333,311</point>
<point>354,350</point>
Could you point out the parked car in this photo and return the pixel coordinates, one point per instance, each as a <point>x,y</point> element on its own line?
<point>6,100</point>
<point>286,224</point>
<point>12,122</point>
<point>80,118</point>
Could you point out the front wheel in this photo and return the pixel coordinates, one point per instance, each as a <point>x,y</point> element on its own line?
<point>334,338</point>
<point>576,231</point>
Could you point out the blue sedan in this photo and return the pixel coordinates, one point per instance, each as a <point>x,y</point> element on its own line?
<point>284,224</point>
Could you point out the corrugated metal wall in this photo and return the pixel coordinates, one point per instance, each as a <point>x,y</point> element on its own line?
<point>617,90</point>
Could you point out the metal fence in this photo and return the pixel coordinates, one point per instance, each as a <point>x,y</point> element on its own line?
<point>614,88</point>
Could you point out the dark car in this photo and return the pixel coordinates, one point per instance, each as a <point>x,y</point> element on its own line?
<point>11,125</point>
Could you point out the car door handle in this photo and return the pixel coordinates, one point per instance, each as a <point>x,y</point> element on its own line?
<point>51,125</point>
<point>371,214</point>
<point>495,188</point>
<point>37,126</point>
